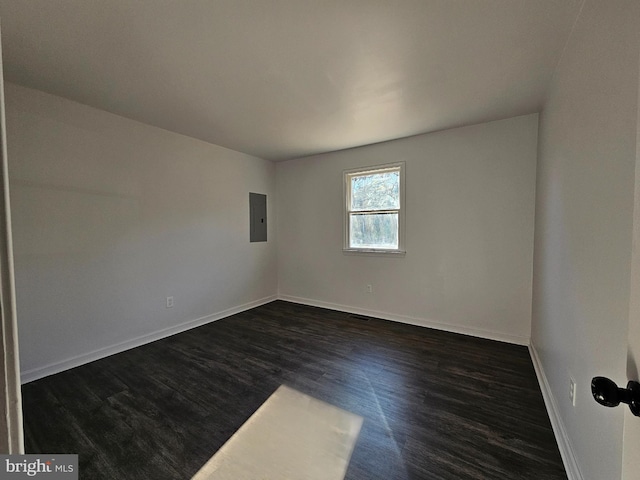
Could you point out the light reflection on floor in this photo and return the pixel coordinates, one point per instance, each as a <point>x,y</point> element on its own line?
<point>291,436</point>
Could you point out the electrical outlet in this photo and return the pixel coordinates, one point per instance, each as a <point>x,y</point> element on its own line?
<point>369,289</point>
<point>169,302</point>
<point>572,391</point>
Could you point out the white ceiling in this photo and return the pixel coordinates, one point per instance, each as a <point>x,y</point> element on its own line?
<point>282,79</point>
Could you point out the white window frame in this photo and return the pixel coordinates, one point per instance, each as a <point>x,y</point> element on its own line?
<point>347,175</point>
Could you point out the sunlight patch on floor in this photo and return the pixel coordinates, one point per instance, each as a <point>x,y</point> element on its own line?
<point>291,436</point>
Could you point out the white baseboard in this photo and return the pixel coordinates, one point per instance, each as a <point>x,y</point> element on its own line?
<point>559,430</point>
<point>421,322</point>
<point>57,367</point>
<point>564,444</point>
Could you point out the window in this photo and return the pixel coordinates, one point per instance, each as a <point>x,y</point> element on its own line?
<point>374,213</point>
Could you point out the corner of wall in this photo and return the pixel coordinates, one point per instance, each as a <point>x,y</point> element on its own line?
<point>559,430</point>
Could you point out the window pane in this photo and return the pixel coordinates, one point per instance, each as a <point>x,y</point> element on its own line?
<point>374,230</point>
<point>376,191</point>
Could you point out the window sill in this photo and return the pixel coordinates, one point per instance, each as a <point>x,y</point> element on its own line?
<point>373,252</point>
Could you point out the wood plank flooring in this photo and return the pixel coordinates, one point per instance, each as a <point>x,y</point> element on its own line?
<point>436,405</point>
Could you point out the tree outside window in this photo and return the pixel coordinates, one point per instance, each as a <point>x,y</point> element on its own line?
<point>374,209</point>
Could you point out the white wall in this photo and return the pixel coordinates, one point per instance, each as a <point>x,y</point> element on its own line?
<point>584,216</point>
<point>469,231</point>
<point>111,216</point>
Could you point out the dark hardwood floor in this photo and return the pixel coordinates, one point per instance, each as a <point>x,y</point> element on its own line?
<point>436,405</point>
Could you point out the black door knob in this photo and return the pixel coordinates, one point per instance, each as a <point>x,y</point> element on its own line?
<point>607,393</point>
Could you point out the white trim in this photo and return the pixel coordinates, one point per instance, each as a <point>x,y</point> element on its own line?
<point>420,322</point>
<point>12,434</point>
<point>40,372</point>
<point>372,251</point>
<point>559,430</point>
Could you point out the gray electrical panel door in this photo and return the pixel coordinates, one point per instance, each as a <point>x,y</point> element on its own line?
<point>258,217</point>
